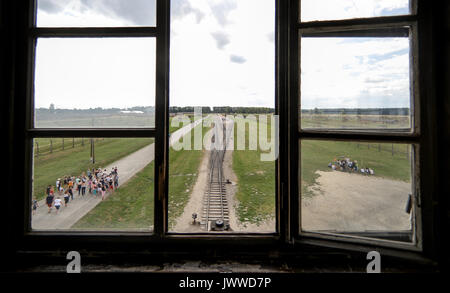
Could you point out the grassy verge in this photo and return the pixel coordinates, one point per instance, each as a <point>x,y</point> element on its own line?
<point>183,173</point>
<point>256,183</point>
<point>130,207</point>
<point>75,161</point>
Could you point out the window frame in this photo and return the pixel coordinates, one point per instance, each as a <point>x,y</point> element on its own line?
<point>161,32</point>
<point>415,137</point>
<point>287,106</point>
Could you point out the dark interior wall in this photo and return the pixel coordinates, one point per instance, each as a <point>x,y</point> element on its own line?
<point>443,93</point>
<point>12,83</point>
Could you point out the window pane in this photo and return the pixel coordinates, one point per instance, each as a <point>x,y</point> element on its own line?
<point>96,13</point>
<point>357,188</point>
<point>355,83</point>
<point>95,82</point>
<point>312,10</point>
<point>222,60</point>
<point>90,200</point>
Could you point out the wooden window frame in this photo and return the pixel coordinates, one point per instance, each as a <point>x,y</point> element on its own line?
<point>23,35</point>
<point>419,137</point>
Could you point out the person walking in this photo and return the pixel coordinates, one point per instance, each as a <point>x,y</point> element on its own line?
<point>71,192</point>
<point>57,204</point>
<point>78,181</point>
<point>66,197</point>
<point>103,190</point>
<point>83,187</point>
<point>35,206</point>
<point>49,201</point>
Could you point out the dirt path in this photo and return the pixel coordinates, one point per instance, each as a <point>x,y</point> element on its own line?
<point>354,202</point>
<point>80,206</point>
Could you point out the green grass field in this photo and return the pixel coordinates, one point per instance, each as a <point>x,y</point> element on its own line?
<point>97,120</point>
<point>130,207</point>
<point>354,121</point>
<point>256,179</point>
<point>316,154</point>
<point>256,183</point>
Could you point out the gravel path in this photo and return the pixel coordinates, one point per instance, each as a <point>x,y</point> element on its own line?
<point>354,202</point>
<point>80,206</point>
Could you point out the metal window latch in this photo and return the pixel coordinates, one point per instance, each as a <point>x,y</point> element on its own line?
<point>408,204</point>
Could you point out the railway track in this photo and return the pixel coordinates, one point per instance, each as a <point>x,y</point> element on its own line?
<point>215,214</point>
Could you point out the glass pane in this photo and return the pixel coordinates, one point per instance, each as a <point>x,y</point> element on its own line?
<point>98,184</point>
<point>357,188</point>
<point>95,82</point>
<point>96,13</point>
<point>355,83</point>
<point>217,67</point>
<point>313,10</point>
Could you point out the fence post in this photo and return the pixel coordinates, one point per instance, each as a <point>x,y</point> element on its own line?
<point>392,149</point>
<point>73,142</point>
<point>63,144</point>
<point>51,146</point>
<point>37,149</point>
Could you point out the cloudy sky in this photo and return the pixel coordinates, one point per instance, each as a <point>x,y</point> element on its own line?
<point>222,53</point>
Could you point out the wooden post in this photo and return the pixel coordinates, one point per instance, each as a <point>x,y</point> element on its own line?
<point>392,149</point>
<point>63,143</point>
<point>37,149</point>
<point>51,146</point>
<point>73,142</point>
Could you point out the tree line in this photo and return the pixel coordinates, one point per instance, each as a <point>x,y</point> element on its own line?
<point>224,110</point>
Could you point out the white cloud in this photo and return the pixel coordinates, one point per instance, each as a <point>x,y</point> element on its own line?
<point>89,73</point>
<point>343,9</point>
<point>335,72</point>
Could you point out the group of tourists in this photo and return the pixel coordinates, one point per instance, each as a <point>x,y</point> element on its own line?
<point>96,182</point>
<point>348,165</point>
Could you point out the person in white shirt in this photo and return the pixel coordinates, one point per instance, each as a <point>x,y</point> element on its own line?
<point>57,204</point>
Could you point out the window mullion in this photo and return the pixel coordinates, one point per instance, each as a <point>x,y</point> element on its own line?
<point>162,117</point>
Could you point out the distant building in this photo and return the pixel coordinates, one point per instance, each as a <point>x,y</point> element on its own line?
<point>131,112</point>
